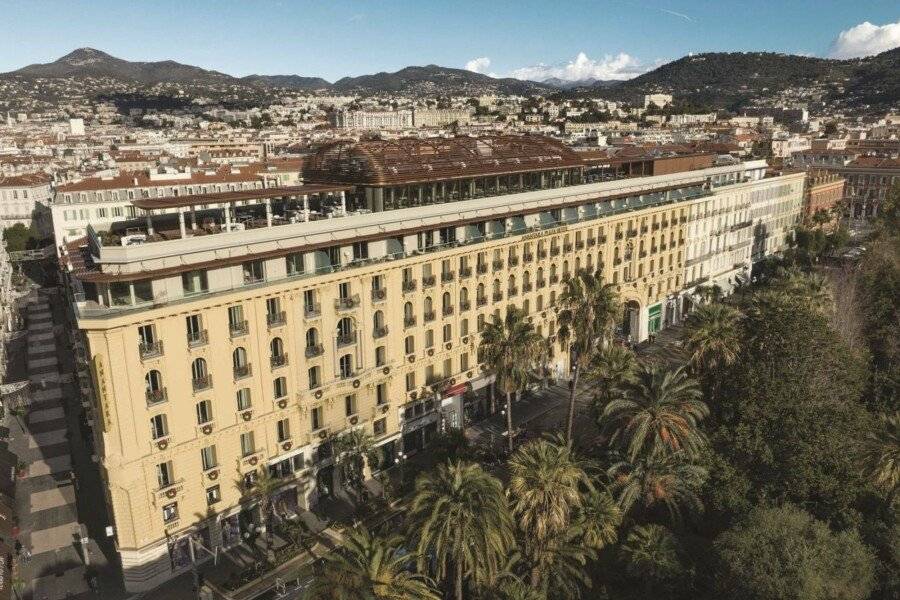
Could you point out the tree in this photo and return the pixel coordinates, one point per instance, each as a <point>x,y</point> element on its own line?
<point>713,337</point>
<point>665,482</point>
<point>371,568</point>
<point>19,237</point>
<point>510,348</point>
<point>652,559</point>
<point>587,313</point>
<point>462,524</point>
<point>612,367</point>
<point>784,554</point>
<point>264,488</point>
<point>882,455</point>
<point>353,450</point>
<point>657,412</point>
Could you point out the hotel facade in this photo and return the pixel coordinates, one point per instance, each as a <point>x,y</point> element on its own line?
<point>355,301</point>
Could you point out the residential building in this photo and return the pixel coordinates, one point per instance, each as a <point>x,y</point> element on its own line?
<point>26,199</point>
<point>824,191</point>
<point>356,301</point>
<point>373,119</point>
<point>441,117</point>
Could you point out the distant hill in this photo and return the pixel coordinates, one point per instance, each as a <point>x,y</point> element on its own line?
<point>88,62</point>
<point>721,78</point>
<point>293,82</point>
<point>439,80</point>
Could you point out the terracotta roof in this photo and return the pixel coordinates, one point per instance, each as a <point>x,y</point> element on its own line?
<point>875,162</point>
<point>26,180</point>
<point>414,160</point>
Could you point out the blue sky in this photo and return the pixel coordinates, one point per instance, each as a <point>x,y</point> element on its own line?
<point>333,38</point>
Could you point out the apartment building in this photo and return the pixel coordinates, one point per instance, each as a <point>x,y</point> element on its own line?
<point>824,191</point>
<point>441,117</point>
<point>353,301</point>
<point>373,119</point>
<point>26,199</point>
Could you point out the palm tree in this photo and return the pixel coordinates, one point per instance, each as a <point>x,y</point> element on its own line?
<point>599,519</point>
<point>373,568</point>
<point>510,348</point>
<point>667,482</point>
<point>713,339</point>
<point>462,522</point>
<point>657,412</point>
<point>612,366</point>
<point>352,450</point>
<point>651,552</point>
<point>811,287</point>
<point>264,488</point>
<point>587,313</point>
<point>708,293</point>
<point>882,455</point>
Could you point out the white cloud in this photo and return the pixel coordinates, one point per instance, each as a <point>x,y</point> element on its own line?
<point>619,66</point>
<point>478,65</point>
<point>865,39</point>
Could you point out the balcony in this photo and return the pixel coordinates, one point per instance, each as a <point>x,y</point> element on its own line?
<point>346,303</point>
<point>644,229</point>
<point>464,305</point>
<point>276,319</point>
<point>428,281</point>
<point>567,248</point>
<point>238,329</point>
<point>579,245</point>
<point>618,236</point>
<point>591,242</point>
<point>603,239</point>
<point>195,339</point>
<point>542,254</point>
<point>409,285</point>
<point>447,276</point>
<point>346,339</point>
<point>311,311</point>
<point>482,268</point>
<point>380,332</point>
<point>156,396</point>
<point>498,296</point>
<point>632,233</point>
<point>554,279</point>
<point>665,223</point>
<point>528,257</point>
<point>150,349</point>
<point>465,272</point>
<point>447,311</point>
<point>513,261</point>
<point>481,302</point>
<point>242,371</point>
<point>554,251</point>
<point>527,287</point>
<point>512,292</point>
<point>541,283</point>
<point>379,295</point>
<point>204,382</point>
<point>409,322</point>
<point>428,316</point>
<point>314,350</point>
<point>279,360</point>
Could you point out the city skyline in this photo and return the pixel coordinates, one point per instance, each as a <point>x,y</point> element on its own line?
<point>351,38</point>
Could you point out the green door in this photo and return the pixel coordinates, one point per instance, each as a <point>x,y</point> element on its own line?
<point>654,314</point>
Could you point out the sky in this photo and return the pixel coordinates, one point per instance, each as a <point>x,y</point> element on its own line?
<point>577,39</point>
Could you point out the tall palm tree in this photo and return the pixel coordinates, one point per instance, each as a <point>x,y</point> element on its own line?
<point>812,287</point>
<point>882,455</point>
<point>651,553</point>
<point>510,348</point>
<point>657,412</point>
<point>587,313</point>
<point>461,519</point>
<point>352,450</point>
<point>599,519</point>
<point>613,365</point>
<point>713,337</point>
<point>663,482</point>
<point>263,489</point>
<point>371,567</point>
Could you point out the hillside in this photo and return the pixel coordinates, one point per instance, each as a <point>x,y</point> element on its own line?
<point>293,82</point>
<point>432,79</point>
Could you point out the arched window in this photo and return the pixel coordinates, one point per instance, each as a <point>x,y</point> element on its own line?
<point>154,385</point>
<point>540,276</point>
<point>312,337</point>
<point>463,297</point>
<point>345,327</point>
<point>198,369</point>
<point>526,306</point>
<point>446,302</point>
<point>378,320</point>
<point>577,263</point>
<point>427,305</point>
<point>408,311</point>
<point>552,271</point>
<point>526,278</point>
<point>565,269</point>
<point>496,286</point>
<point>239,358</point>
<point>346,366</point>
<point>480,293</point>
<point>540,302</point>
<point>511,284</point>
<point>276,347</point>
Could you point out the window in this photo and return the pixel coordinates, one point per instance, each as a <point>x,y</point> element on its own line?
<point>239,362</point>
<point>213,494</point>
<point>170,512</point>
<point>294,263</point>
<point>316,418</point>
<point>464,361</point>
<point>410,381</point>
<point>409,344</point>
<point>208,458</point>
<point>253,271</point>
<point>236,322</point>
<point>194,326</point>
<point>464,327</point>
<point>350,405</point>
<point>448,332</point>
<point>380,356</point>
<point>153,382</point>
<point>194,282</point>
<point>381,396</point>
<point>276,349</point>
<point>200,374</point>
<point>429,338</point>
<point>250,479</point>
<point>146,336</point>
<point>314,380</point>
<point>159,428</point>
<point>164,474</point>
<point>204,412</point>
<point>284,430</point>
<point>312,337</point>
<point>248,445</point>
<point>346,366</point>
<point>243,399</point>
<point>344,290</point>
<point>379,427</point>
<point>279,387</point>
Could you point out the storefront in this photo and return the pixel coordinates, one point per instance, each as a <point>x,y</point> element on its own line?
<point>654,319</point>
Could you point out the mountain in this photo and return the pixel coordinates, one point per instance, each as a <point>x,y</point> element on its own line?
<point>437,80</point>
<point>723,78</point>
<point>293,82</point>
<point>88,62</point>
<point>566,84</point>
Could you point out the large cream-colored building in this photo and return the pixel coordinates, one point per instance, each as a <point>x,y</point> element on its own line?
<point>352,301</point>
